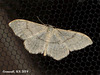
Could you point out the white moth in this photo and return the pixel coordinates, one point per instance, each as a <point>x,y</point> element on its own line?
<point>47,40</point>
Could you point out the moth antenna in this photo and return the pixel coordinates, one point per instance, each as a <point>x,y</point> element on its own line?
<point>40,20</point>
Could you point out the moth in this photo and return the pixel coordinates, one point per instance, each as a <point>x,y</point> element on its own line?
<point>47,40</point>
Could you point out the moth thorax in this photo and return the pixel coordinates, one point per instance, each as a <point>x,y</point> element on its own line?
<point>50,28</point>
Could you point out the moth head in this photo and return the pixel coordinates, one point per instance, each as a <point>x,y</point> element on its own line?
<point>50,26</point>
